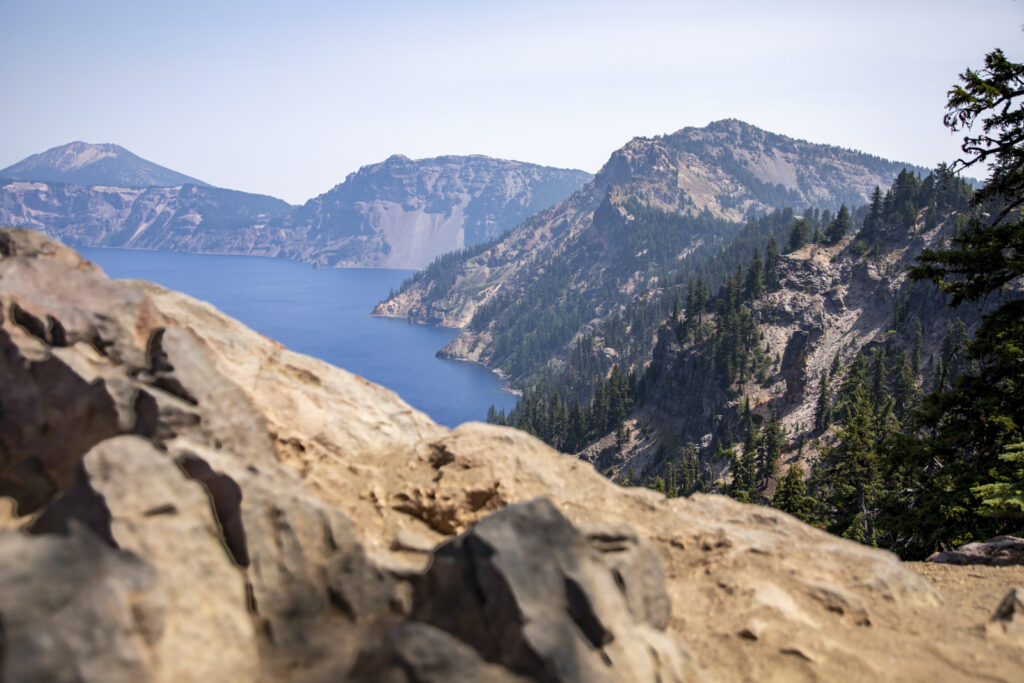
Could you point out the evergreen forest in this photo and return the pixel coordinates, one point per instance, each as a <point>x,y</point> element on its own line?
<point>901,453</point>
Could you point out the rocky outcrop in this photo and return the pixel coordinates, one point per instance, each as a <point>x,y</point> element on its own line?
<point>215,507</point>
<point>399,213</point>
<point>1000,551</point>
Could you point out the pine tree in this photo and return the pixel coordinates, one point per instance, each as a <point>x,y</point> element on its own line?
<point>771,262</point>
<point>671,483</point>
<point>748,460</point>
<point>838,228</point>
<point>1005,497</point>
<point>772,440</point>
<point>798,235</point>
<point>968,425</point>
<point>852,472</point>
<point>755,277</point>
<point>558,423</point>
<point>791,496</point>
<point>879,383</point>
<point>577,428</point>
<point>823,411</point>
<point>872,223</point>
<point>905,393</point>
<point>837,364</point>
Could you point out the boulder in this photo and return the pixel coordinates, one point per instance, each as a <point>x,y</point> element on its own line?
<point>527,590</point>
<point>1000,551</point>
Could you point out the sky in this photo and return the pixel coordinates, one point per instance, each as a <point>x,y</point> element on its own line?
<point>287,99</point>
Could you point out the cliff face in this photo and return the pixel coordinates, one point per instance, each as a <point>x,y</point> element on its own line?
<point>403,213</point>
<point>185,499</point>
<point>183,218</point>
<point>400,213</point>
<point>726,171</point>
<point>830,304</point>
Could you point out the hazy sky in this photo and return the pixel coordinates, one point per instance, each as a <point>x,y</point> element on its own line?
<point>288,98</point>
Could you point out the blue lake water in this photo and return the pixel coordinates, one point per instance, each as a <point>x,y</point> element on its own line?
<point>325,313</point>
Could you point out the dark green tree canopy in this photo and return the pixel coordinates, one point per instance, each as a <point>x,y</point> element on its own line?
<point>990,251</point>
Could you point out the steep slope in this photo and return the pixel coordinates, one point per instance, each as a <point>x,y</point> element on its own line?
<point>823,306</point>
<point>81,163</point>
<point>197,503</point>
<point>397,214</point>
<point>403,213</point>
<point>625,233</point>
<point>184,218</point>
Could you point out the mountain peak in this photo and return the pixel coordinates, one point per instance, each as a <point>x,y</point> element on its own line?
<point>84,163</point>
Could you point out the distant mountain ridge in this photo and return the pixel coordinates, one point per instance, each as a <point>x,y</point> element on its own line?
<point>613,242</point>
<point>399,213</point>
<point>402,213</point>
<point>82,163</point>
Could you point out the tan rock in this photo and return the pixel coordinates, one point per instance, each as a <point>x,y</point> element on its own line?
<point>292,480</point>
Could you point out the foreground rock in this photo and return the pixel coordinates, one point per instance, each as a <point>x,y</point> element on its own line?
<point>184,499</point>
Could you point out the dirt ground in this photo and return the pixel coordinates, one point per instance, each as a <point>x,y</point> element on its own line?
<point>972,591</point>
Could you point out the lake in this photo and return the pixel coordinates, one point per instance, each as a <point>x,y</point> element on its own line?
<point>325,313</point>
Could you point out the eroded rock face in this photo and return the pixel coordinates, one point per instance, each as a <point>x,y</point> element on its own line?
<point>183,499</point>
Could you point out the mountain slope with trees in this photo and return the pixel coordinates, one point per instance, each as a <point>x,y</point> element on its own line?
<point>585,283</point>
<point>836,382</point>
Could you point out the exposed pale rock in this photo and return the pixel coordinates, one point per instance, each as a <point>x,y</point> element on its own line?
<point>215,494</point>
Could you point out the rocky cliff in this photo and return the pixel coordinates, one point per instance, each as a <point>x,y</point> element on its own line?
<point>828,303</point>
<point>184,499</point>
<point>654,202</point>
<point>183,218</point>
<point>403,213</point>
<point>399,213</point>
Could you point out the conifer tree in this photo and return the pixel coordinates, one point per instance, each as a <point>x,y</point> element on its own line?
<point>772,440</point>
<point>791,496</point>
<point>905,393</point>
<point>823,410</point>
<point>771,262</point>
<point>836,365</point>
<point>755,277</point>
<point>558,423</point>
<point>799,235</point>
<point>838,228</point>
<point>1005,497</point>
<point>852,471</point>
<point>971,422</point>
<point>748,460</point>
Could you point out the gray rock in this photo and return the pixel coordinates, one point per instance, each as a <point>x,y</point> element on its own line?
<point>1000,551</point>
<point>526,590</point>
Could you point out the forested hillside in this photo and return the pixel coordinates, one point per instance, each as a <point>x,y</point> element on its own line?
<point>834,380</point>
<point>582,287</point>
